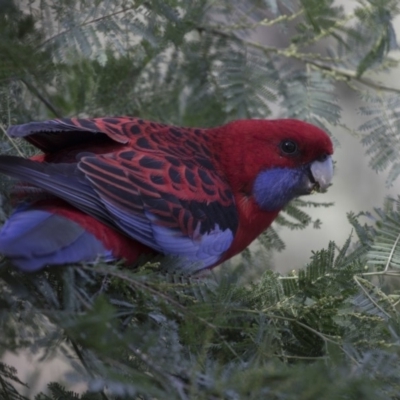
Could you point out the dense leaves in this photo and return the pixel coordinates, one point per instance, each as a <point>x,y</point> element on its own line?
<point>154,334</point>
<point>330,330</point>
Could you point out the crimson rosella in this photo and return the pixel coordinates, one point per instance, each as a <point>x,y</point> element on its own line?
<point>119,187</point>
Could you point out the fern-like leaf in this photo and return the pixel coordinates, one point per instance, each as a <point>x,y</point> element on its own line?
<point>310,96</point>
<point>382,133</point>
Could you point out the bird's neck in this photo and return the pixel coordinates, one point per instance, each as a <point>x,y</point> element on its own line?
<point>252,219</point>
<point>240,176</point>
<point>252,222</point>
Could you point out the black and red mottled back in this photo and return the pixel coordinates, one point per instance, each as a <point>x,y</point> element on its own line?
<point>138,176</point>
<point>179,158</point>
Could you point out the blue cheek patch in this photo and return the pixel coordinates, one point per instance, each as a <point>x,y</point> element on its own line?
<point>274,188</point>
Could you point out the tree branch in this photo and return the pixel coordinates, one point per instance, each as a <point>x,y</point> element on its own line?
<point>92,21</point>
<point>46,102</point>
<point>292,51</point>
<point>352,75</point>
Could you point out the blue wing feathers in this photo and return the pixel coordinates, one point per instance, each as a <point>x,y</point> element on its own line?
<point>33,238</point>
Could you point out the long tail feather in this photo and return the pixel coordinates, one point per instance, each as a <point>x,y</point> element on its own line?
<point>62,180</point>
<point>33,238</point>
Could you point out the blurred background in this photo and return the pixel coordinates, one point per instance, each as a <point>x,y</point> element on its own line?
<point>205,63</point>
<point>356,186</point>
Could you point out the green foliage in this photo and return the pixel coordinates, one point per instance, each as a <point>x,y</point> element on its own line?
<point>310,98</point>
<point>330,330</point>
<point>8,379</point>
<point>382,138</point>
<point>145,333</point>
<point>246,82</point>
<point>385,251</point>
<point>377,15</point>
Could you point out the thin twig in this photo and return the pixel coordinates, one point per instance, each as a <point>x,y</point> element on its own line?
<point>370,297</point>
<point>93,21</point>
<point>264,22</point>
<point>2,129</point>
<point>292,51</point>
<point>46,102</point>
<point>167,299</point>
<point>5,391</point>
<point>349,74</point>
<point>144,358</point>
<point>82,360</point>
<point>326,338</point>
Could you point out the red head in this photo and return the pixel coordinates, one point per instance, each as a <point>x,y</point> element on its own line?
<point>250,146</point>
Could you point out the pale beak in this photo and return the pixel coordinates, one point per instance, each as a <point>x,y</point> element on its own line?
<point>322,173</point>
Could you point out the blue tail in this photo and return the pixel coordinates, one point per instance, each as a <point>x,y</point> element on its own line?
<point>33,239</point>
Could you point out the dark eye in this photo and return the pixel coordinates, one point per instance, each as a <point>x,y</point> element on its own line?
<point>288,147</point>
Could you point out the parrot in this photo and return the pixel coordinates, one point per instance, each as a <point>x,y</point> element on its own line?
<point>116,188</point>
